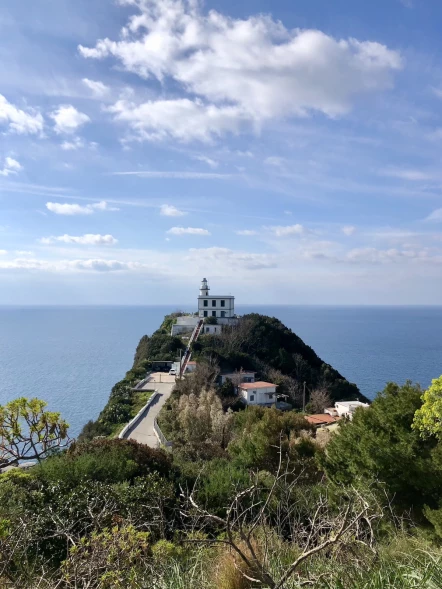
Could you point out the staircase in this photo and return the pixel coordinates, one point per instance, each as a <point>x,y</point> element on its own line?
<point>188,353</point>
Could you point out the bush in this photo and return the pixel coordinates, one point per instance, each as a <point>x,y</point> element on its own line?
<point>109,461</point>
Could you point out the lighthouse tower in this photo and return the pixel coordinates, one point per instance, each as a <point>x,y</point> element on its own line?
<point>204,288</point>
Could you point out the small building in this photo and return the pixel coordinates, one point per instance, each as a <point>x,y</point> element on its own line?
<point>258,393</point>
<point>246,376</point>
<point>345,408</point>
<point>184,324</point>
<point>321,419</point>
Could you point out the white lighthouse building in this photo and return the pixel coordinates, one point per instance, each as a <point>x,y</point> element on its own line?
<point>219,306</point>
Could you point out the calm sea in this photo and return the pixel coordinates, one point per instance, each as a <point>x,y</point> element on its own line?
<point>72,356</point>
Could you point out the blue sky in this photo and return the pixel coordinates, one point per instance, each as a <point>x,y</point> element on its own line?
<point>289,151</point>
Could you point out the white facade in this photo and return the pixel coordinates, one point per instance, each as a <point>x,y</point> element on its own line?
<point>222,307</point>
<point>258,393</point>
<point>345,408</point>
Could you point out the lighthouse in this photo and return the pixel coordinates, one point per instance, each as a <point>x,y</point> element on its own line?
<point>220,306</point>
<point>204,288</point>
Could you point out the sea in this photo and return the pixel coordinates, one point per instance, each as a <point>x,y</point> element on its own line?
<point>72,356</point>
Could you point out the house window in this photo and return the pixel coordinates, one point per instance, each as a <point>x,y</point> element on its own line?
<point>205,313</point>
<point>207,329</point>
<point>252,397</point>
<point>223,313</point>
<point>213,303</point>
<point>206,303</point>
<point>223,303</point>
<point>270,396</point>
<point>213,313</point>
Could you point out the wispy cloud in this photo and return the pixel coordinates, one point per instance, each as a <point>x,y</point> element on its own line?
<point>348,230</point>
<point>97,88</point>
<point>188,231</point>
<point>10,167</point>
<point>76,209</point>
<point>29,122</point>
<point>178,175</point>
<point>87,239</point>
<point>435,216</point>
<point>406,174</point>
<point>171,211</point>
<point>246,232</point>
<point>288,230</point>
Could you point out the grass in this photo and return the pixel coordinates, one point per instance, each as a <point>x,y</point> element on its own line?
<point>139,399</point>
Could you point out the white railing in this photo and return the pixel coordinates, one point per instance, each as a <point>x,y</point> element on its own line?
<point>161,437</point>
<point>122,435</point>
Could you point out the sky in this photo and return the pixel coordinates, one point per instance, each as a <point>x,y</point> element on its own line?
<point>287,150</point>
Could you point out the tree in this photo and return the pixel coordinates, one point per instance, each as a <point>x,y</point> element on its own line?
<point>380,444</point>
<point>319,400</point>
<point>28,432</point>
<point>428,419</point>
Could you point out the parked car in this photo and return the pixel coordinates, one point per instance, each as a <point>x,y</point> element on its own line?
<point>172,372</point>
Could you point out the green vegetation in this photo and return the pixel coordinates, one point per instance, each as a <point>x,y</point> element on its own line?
<point>249,497</point>
<point>265,345</point>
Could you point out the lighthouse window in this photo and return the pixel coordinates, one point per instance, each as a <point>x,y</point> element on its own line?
<point>223,303</point>
<point>213,303</point>
<point>205,313</point>
<point>206,303</point>
<point>213,313</point>
<point>223,313</point>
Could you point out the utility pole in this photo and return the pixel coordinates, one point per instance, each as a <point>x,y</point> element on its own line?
<point>303,399</point>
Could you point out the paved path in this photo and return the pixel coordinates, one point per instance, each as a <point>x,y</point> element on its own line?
<point>143,432</point>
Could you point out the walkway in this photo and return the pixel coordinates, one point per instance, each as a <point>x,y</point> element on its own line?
<point>143,431</point>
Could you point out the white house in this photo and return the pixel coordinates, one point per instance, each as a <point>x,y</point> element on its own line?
<point>345,408</point>
<point>258,393</point>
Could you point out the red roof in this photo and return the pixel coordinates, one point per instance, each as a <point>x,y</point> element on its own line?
<point>257,385</point>
<point>321,418</point>
<point>191,362</point>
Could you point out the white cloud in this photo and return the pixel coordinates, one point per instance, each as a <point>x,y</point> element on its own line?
<point>87,239</point>
<point>207,160</point>
<point>405,174</point>
<point>241,71</point>
<point>10,167</point>
<point>436,216</point>
<point>278,162</point>
<point>24,253</point>
<point>373,255</point>
<point>3,252</point>
<point>76,143</point>
<point>171,211</point>
<point>75,209</point>
<point>19,121</point>
<point>68,119</point>
<point>246,232</point>
<point>178,175</point>
<point>83,265</point>
<point>348,230</point>
<point>97,88</point>
<point>227,260</point>
<point>188,231</point>
<point>182,119</point>
<point>289,230</point>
